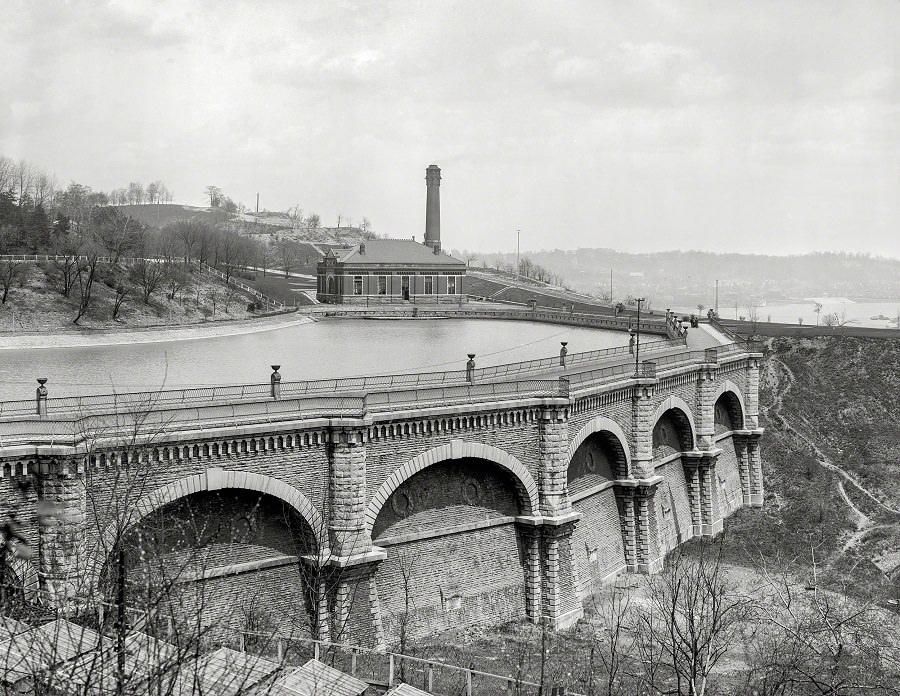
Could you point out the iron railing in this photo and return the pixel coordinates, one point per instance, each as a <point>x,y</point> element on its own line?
<point>142,401</point>
<point>143,419</point>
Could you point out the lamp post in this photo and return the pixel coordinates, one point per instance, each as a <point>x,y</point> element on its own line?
<point>637,351</point>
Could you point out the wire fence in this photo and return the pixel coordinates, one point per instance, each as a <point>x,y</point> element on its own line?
<point>385,669</point>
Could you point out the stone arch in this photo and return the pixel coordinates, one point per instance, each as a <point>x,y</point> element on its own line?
<point>456,449</point>
<point>683,414</point>
<point>214,479</point>
<point>596,425</point>
<point>729,387</point>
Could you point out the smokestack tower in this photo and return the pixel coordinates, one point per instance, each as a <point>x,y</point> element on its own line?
<point>433,208</point>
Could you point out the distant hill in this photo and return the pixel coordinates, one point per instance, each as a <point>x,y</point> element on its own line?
<point>689,277</point>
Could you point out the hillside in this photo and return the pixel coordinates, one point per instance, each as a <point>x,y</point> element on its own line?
<point>159,216</point>
<point>831,456</point>
<point>35,302</point>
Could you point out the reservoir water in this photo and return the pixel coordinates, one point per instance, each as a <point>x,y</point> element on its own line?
<point>328,348</point>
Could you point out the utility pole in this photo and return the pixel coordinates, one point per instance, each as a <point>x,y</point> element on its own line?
<point>257,208</point>
<point>518,235</point>
<point>610,286</point>
<point>717,298</point>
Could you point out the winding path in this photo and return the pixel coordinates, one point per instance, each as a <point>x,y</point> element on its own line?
<point>864,523</point>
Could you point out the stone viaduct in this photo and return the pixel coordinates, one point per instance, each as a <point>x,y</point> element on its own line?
<point>354,508</point>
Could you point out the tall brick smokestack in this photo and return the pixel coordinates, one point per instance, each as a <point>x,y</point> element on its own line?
<point>433,208</point>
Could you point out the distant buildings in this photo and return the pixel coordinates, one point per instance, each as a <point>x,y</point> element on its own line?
<point>383,271</point>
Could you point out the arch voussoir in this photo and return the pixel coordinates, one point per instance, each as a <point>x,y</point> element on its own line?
<point>455,450</point>
<point>217,479</point>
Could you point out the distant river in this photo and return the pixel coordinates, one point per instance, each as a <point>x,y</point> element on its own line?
<point>854,313</point>
<point>328,348</point>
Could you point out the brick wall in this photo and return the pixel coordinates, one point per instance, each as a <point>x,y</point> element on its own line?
<point>592,464</point>
<point>616,406</point>
<point>667,437</point>
<point>18,494</point>
<point>673,507</point>
<point>269,600</point>
<point>597,541</point>
<point>729,475</point>
<point>457,580</point>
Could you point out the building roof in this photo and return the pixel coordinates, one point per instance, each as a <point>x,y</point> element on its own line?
<point>10,627</point>
<point>224,672</point>
<point>317,679</point>
<point>397,251</point>
<point>406,690</point>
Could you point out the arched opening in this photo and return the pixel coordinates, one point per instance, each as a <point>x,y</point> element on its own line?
<point>453,550</point>
<point>331,285</point>
<point>229,558</point>
<point>728,416</point>
<point>597,542</point>
<point>672,435</point>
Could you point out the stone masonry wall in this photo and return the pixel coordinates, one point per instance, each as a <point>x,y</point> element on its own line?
<point>112,490</point>
<point>387,454</point>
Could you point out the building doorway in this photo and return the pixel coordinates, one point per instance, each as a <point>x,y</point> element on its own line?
<point>404,287</point>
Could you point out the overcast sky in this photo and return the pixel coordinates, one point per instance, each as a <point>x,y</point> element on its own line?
<point>638,125</point>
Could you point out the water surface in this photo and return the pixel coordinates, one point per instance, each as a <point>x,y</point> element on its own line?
<point>327,348</point>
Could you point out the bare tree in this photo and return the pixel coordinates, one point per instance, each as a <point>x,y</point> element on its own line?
<point>85,274</point>
<point>122,291</point>
<point>295,215</point>
<point>9,271</point>
<point>818,641</point>
<point>288,252</point>
<point>611,642</point>
<point>215,195</point>
<point>118,234</point>
<point>694,619</point>
<point>176,278</point>
<point>148,274</point>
